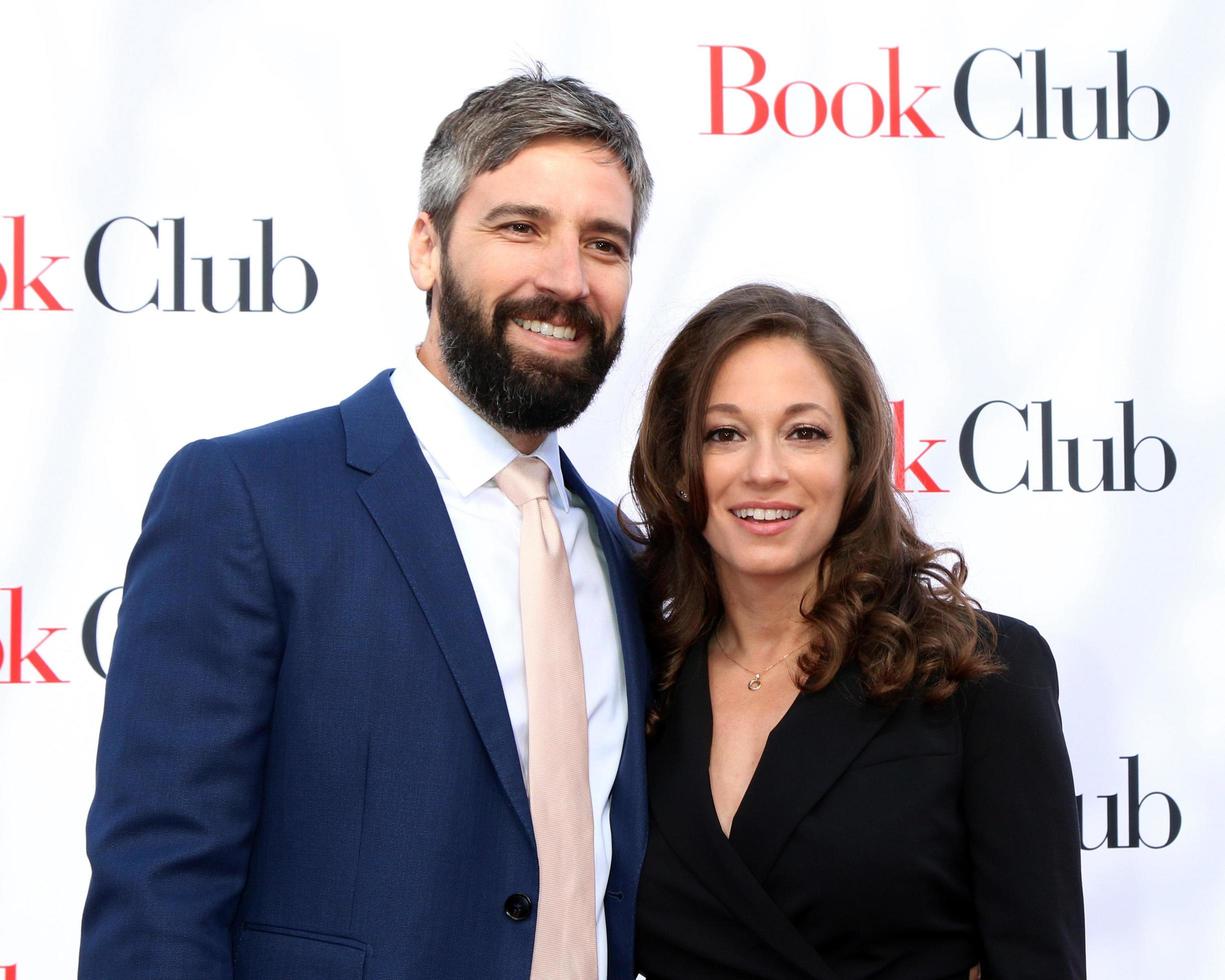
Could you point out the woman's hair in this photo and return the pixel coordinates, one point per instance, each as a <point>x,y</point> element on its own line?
<point>884,598</point>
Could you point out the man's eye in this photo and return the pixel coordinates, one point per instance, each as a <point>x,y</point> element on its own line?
<point>607,247</point>
<point>722,433</point>
<point>518,228</point>
<point>809,433</point>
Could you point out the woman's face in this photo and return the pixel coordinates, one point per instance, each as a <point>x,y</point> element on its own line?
<point>776,460</point>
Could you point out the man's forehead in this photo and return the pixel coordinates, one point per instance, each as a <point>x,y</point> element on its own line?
<point>535,161</point>
<point>586,146</point>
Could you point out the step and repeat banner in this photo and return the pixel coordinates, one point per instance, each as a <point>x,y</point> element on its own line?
<point>204,213</point>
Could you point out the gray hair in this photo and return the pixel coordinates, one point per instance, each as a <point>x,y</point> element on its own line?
<point>495,123</point>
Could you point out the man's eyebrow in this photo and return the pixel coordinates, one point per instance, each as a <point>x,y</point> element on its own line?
<point>512,210</point>
<point>614,229</point>
<point>534,212</point>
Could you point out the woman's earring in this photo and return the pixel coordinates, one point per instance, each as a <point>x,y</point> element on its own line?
<point>683,495</point>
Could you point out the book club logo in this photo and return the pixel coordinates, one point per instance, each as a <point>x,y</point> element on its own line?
<point>1114,832</point>
<point>997,94</point>
<point>1003,448</point>
<point>37,656</point>
<point>23,659</point>
<point>153,271</point>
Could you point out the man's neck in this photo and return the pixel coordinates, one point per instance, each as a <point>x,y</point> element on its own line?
<point>430,356</point>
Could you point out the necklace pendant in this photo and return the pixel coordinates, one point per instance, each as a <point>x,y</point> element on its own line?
<point>755,683</point>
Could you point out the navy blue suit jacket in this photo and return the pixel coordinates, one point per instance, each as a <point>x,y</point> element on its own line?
<point>306,766</point>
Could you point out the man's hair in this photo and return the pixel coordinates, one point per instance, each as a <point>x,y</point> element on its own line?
<point>496,123</point>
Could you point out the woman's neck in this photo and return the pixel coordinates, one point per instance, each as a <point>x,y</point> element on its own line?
<point>762,621</point>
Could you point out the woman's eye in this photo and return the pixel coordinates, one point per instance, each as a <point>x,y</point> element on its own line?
<point>809,433</point>
<point>722,433</point>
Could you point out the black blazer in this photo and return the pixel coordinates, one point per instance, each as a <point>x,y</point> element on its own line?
<point>898,844</point>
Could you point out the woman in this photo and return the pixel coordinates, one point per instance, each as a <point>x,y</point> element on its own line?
<point>854,772</point>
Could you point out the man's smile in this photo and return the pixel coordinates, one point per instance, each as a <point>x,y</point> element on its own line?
<point>546,329</point>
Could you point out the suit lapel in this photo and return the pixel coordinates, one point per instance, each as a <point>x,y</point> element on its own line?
<point>629,815</point>
<point>685,815</point>
<point>808,750</point>
<point>625,598</point>
<point>402,497</point>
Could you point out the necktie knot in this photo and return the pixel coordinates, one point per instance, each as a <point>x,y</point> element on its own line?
<point>524,478</point>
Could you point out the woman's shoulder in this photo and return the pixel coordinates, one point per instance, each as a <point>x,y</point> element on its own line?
<point>1023,653</point>
<point>1021,699</point>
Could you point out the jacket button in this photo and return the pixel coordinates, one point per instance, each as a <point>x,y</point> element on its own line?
<point>518,907</point>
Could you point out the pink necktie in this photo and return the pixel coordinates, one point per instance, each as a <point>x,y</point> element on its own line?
<point>558,787</point>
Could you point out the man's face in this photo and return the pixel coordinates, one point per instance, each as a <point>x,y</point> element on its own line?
<point>530,289</point>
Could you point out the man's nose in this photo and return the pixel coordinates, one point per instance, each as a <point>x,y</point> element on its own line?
<point>562,272</point>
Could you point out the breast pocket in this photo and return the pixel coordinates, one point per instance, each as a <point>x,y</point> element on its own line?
<point>265,952</point>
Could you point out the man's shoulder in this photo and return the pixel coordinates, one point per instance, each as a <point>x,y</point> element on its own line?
<point>373,408</point>
<point>305,442</point>
<point>288,435</point>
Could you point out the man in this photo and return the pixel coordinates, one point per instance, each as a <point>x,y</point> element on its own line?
<point>332,672</point>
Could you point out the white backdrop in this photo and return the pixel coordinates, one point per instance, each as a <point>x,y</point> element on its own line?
<point>1021,270</point>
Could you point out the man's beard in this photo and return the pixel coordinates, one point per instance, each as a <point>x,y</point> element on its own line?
<point>515,390</point>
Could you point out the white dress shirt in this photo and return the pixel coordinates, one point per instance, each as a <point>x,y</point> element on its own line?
<point>465,453</point>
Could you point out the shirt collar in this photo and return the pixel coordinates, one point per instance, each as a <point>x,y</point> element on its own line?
<point>468,450</point>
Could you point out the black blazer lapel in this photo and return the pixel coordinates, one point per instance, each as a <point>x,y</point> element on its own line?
<point>402,497</point>
<point>685,815</point>
<point>812,746</point>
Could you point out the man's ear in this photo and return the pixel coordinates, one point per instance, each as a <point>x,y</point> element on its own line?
<point>424,252</point>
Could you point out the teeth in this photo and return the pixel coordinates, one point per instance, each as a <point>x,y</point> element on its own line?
<point>764,514</point>
<point>548,329</point>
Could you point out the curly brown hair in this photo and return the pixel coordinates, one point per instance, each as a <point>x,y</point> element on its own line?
<point>885,599</point>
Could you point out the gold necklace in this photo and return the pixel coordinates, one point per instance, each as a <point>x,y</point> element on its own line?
<point>755,680</point>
